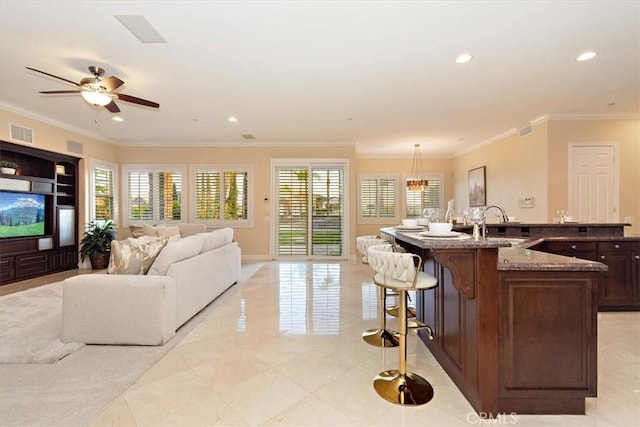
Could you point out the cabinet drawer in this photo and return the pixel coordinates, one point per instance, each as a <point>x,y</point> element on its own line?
<point>616,246</point>
<point>32,265</point>
<point>573,246</point>
<point>7,271</point>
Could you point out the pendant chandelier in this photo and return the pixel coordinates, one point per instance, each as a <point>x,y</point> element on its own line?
<point>417,182</point>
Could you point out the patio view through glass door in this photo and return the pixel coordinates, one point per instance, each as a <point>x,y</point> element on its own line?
<point>309,222</point>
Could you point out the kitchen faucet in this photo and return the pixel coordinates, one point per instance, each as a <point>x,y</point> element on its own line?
<point>505,218</point>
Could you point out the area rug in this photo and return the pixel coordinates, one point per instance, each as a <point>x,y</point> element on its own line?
<point>76,389</point>
<point>30,326</point>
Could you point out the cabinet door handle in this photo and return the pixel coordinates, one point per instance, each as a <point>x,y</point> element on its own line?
<point>603,257</point>
<point>616,246</point>
<point>573,246</point>
<point>637,257</point>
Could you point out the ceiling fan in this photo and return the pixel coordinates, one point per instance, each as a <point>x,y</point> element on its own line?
<point>98,91</point>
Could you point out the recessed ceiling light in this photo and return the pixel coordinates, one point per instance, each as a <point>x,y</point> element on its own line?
<point>232,119</point>
<point>464,58</point>
<point>585,56</point>
<point>117,119</point>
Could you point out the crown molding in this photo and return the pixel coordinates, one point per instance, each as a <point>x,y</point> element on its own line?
<point>594,116</point>
<point>236,144</point>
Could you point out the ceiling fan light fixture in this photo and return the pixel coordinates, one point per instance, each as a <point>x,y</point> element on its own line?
<point>98,99</point>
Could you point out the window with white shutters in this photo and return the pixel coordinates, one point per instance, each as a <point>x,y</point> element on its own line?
<point>154,194</point>
<point>103,195</point>
<point>221,195</point>
<point>377,199</point>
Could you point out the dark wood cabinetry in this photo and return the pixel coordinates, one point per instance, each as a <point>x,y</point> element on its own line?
<point>54,177</point>
<point>619,287</point>
<point>618,284</point>
<point>578,249</point>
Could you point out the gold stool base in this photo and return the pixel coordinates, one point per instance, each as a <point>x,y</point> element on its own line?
<point>393,311</point>
<point>380,338</point>
<point>409,389</point>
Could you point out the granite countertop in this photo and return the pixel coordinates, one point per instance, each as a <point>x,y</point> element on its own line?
<point>522,259</point>
<point>513,253</point>
<point>464,241</point>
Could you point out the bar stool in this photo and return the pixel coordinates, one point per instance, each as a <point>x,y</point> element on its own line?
<point>401,272</point>
<point>380,337</point>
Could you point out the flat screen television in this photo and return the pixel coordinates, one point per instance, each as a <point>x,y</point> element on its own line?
<point>21,214</point>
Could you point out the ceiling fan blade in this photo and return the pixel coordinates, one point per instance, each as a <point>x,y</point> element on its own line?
<point>111,83</point>
<point>51,92</point>
<point>51,75</point>
<point>135,100</point>
<point>112,107</point>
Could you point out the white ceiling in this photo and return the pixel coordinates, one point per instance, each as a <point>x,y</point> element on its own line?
<point>380,74</point>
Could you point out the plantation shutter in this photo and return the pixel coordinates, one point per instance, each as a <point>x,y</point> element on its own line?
<point>207,195</point>
<point>154,195</point>
<point>103,192</point>
<point>327,190</point>
<point>293,194</point>
<point>235,201</point>
<point>140,198</point>
<point>378,198</point>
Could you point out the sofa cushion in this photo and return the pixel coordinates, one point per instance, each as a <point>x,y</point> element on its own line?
<point>187,230</point>
<point>134,258</point>
<point>175,252</point>
<point>215,239</point>
<point>136,231</point>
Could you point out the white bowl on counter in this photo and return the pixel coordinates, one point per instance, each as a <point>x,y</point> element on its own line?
<point>440,227</point>
<point>410,222</point>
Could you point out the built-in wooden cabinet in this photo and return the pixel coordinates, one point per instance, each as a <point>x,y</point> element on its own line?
<point>53,178</point>
<point>619,287</point>
<point>618,284</point>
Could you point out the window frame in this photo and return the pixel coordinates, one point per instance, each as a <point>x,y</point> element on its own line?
<point>153,168</point>
<point>379,219</point>
<point>113,167</point>
<point>222,168</point>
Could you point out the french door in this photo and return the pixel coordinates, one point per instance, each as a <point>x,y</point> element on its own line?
<point>310,210</point>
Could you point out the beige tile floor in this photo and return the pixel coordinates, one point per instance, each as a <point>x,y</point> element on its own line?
<point>285,348</point>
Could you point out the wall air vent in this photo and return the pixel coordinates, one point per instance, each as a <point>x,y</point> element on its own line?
<point>21,133</point>
<point>248,136</point>
<point>527,130</point>
<point>74,147</point>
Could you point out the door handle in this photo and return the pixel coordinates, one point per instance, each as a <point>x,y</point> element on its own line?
<point>603,257</point>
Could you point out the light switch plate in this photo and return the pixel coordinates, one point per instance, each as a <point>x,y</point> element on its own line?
<point>525,202</point>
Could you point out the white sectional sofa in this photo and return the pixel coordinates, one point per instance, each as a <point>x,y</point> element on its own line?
<point>186,276</point>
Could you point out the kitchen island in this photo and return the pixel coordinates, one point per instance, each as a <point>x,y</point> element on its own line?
<point>515,329</point>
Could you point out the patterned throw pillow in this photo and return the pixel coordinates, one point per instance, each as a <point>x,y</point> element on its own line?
<point>127,258</point>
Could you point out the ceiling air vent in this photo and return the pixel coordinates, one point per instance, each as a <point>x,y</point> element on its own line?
<point>527,130</point>
<point>21,133</point>
<point>248,136</point>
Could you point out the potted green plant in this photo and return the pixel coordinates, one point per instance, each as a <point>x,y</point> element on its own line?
<point>8,167</point>
<point>96,243</point>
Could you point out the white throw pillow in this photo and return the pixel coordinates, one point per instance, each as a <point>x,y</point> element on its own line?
<point>149,230</point>
<point>175,252</point>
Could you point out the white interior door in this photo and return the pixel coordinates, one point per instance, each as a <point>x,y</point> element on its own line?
<point>593,183</point>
